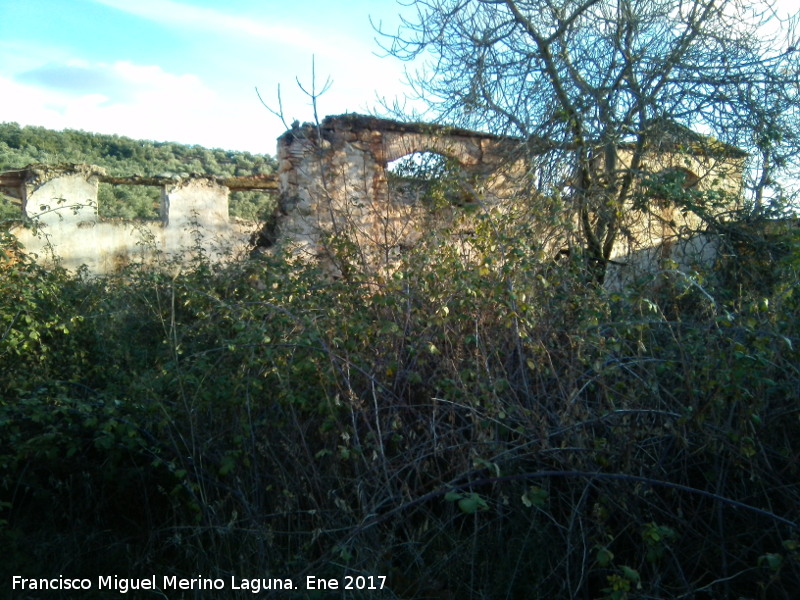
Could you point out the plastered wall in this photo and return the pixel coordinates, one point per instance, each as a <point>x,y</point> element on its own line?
<point>61,207</point>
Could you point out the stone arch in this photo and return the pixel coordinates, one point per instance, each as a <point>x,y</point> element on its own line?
<point>466,152</point>
<point>333,175</point>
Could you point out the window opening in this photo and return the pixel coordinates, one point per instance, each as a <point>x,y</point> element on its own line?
<point>121,201</point>
<point>428,177</point>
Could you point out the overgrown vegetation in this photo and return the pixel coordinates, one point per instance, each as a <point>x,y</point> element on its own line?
<point>581,80</point>
<point>124,157</point>
<point>487,420</point>
<point>500,428</point>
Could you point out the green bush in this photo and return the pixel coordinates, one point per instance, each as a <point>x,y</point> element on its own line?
<point>480,428</point>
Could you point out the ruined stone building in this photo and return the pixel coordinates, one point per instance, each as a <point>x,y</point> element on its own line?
<point>333,181</point>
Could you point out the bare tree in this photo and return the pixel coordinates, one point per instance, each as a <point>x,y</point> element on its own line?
<point>580,79</point>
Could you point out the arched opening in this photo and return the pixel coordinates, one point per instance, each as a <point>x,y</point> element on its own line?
<point>428,177</point>
<point>682,176</point>
<point>669,187</point>
<point>427,166</point>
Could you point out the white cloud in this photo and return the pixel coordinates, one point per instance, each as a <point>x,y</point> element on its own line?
<point>120,82</point>
<point>185,16</point>
<point>159,105</point>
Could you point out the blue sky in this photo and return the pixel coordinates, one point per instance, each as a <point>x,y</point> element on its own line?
<point>185,70</point>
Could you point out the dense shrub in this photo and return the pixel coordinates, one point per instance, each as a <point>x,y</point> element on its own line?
<point>494,429</point>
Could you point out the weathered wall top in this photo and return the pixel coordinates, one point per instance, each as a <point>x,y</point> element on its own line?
<point>665,135</point>
<point>358,122</point>
<point>18,182</point>
<point>388,140</point>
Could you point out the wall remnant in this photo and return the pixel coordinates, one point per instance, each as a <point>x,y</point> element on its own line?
<point>666,234</point>
<point>61,204</point>
<point>333,180</point>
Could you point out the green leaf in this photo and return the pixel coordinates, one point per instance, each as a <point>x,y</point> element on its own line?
<point>631,574</point>
<point>535,496</point>
<point>227,465</point>
<point>482,463</point>
<point>471,504</point>
<point>772,560</point>
<point>344,553</point>
<point>604,556</point>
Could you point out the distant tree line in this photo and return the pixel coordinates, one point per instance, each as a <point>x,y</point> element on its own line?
<point>123,156</point>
